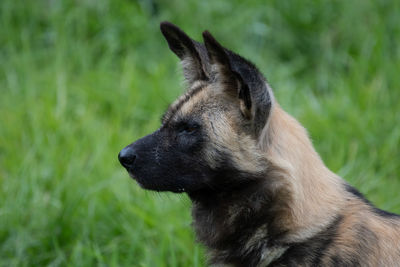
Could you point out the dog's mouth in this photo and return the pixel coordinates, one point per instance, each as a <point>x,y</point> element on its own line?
<point>136,179</point>
<point>155,187</point>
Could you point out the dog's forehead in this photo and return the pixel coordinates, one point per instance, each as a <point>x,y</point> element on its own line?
<point>191,103</point>
<point>198,99</point>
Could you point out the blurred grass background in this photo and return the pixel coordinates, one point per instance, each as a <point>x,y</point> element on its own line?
<point>79,80</point>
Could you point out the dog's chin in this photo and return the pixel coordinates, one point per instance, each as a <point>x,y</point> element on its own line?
<point>138,181</point>
<point>144,184</point>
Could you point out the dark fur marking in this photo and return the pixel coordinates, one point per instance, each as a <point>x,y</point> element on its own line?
<point>376,210</point>
<point>320,246</point>
<point>169,114</point>
<point>311,251</point>
<point>213,128</point>
<point>231,237</point>
<point>244,91</point>
<point>367,242</point>
<point>337,260</point>
<point>341,261</point>
<point>254,205</point>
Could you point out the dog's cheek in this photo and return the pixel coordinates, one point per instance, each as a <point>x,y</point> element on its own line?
<point>183,171</point>
<point>171,168</point>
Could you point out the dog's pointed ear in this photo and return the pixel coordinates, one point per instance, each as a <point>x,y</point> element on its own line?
<point>231,81</point>
<point>184,47</point>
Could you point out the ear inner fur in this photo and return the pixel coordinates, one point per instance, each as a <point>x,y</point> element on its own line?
<point>232,80</point>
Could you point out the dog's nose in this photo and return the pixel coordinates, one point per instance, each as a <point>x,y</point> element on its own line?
<point>127,157</point>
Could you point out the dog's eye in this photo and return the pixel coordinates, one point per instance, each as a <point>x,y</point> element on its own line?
<point>188,128</point>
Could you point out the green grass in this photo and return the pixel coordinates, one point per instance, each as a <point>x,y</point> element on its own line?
<point>79,80</point>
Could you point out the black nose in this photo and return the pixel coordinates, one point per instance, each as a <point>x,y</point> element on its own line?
<point>127,157</point>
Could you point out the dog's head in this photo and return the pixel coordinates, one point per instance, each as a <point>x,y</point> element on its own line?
<point>209,136</point>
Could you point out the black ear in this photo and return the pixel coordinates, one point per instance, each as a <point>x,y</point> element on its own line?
<point>231,80</point>
<point>185,48</point>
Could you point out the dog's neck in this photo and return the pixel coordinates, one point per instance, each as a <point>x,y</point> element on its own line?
<point>256,221</point>
<point>316,192</point>
<point>241,222</point>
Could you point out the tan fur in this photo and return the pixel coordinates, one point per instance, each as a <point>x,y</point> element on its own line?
<point>309,197</point>
<point>386,252</point>
<point>318,193</point>
<point>261,194</point>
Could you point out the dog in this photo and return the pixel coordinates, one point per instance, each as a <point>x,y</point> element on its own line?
<point>261,194</point>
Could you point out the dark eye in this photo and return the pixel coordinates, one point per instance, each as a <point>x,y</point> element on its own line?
<point>188,128</point>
